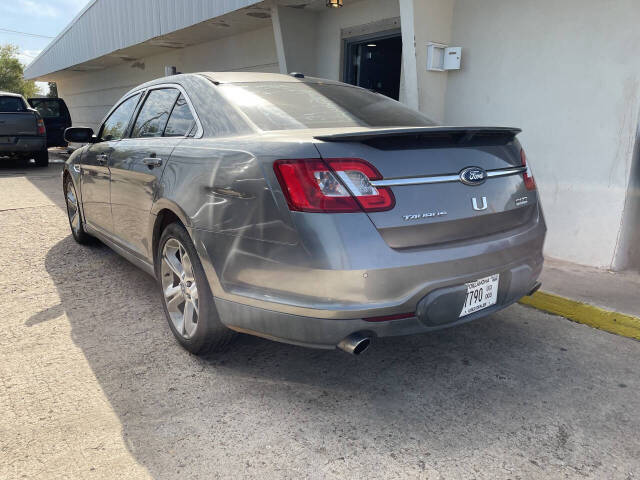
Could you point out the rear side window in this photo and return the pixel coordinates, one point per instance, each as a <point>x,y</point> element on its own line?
<point>116,125</point>
<point>155,112</point>
<point>181,121</point>
<point>12,104</point>
<point>47,108</point>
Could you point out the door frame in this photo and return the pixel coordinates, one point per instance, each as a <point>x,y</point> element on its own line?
<point>379,30</point>
<point>347,64</point>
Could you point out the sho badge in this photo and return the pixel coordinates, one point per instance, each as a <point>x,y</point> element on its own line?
<point>522,201</point>
<point>420,216</point>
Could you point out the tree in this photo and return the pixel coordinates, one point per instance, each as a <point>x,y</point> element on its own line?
<point>12,73</point>
<point>53,90</point>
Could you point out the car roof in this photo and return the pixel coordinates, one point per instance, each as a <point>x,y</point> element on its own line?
<point>10,94</point>
<point>249,77</point>
<point>232,77</point>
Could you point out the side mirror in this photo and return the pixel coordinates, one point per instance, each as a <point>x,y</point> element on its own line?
<point>79,135</point>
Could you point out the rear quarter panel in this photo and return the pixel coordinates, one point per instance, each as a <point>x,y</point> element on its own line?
<point>223,186</point>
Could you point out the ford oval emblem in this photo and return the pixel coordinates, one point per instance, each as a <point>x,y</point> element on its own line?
<point>473,176</point>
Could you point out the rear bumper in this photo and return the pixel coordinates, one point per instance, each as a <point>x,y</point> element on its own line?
<point>23,145</point>
<point>437,310</point>
<point>318,291</point>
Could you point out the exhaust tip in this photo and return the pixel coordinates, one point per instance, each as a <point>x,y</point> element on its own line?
<point>535,288</point>
<point>355,344</point>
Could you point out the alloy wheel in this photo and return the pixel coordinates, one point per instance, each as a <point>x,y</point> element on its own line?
<point>72,208</point>
<point>179,288</point>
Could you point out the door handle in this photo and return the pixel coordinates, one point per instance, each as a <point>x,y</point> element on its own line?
<point>152,162</point>
<point>102,159</point>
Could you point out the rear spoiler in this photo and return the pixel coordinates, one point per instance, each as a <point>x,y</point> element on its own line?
<point>456,135</point>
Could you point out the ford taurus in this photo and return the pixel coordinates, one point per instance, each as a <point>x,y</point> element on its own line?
<point>305,210</point>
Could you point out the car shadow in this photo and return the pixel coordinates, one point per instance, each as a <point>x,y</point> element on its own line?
<point>405,399</point>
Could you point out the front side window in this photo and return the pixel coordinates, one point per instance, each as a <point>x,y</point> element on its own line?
<point>289,105</point>
<point>116,125</point>
<point>155,112</point>
<point>181,121</point>
<point>12,104</point>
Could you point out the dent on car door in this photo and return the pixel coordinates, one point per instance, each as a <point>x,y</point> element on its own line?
<point>137,166</point>
<point>95,177</point>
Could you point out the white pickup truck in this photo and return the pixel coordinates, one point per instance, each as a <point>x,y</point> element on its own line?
<point>22,130</point>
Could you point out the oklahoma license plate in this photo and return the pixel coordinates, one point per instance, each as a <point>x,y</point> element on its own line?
<point>481,294</point>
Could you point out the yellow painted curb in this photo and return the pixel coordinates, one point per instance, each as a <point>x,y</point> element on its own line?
<point>613,322</point>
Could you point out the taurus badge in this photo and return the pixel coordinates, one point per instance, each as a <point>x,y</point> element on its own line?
<point>474,202</point>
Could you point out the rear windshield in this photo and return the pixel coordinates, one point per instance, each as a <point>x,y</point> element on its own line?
<point>284,106</point>
<point>12,104</point>
<point>47,108</point>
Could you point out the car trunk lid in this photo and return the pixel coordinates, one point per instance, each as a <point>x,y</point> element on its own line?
<point>422,166</point>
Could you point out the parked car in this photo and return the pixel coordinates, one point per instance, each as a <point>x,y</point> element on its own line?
<point>305,210</point>
<point>22,130</point>
<point>56,118</point>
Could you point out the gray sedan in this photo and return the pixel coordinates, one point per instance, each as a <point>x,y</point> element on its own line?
<point>305,210</point>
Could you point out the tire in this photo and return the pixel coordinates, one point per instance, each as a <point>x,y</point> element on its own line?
<point>186,297</point>
<point>42,158</point>
<point>74,214</point>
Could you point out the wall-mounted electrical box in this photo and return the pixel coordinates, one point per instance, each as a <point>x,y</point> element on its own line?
<point>441,58</point>
<point>452,58</point>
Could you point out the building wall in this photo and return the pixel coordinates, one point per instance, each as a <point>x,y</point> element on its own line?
<point>297,28</point>
<point>91,94</point>
<point>628,249</point>
<point>567,74</point>
<point>432,23</point>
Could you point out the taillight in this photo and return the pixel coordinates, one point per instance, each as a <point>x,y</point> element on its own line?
<point>336,185</point>
<point>41,129</point>
<point>529,181</point>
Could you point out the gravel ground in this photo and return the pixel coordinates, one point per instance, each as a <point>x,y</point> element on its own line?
<point>92,384</point>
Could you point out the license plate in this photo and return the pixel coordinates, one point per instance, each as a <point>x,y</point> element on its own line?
<point>6,139</point>
<point>481,294</point>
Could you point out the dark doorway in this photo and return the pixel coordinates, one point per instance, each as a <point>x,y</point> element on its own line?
<point>374,63</point>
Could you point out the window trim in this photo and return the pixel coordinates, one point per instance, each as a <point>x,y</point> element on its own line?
<point>199,131</point>
<point>113,109</point>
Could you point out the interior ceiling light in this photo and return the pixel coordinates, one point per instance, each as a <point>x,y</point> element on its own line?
<point>371,45</point>
<point>334,3</point>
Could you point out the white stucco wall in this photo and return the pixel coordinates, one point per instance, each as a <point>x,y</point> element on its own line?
<point>432,23</point>
<point>297,28</point>
<point>91,94</point>
<point>568,75</point>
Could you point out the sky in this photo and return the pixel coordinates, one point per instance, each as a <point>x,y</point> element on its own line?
<point>37,17</point>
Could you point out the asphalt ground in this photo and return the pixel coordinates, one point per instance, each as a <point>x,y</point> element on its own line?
<point>93,385</point>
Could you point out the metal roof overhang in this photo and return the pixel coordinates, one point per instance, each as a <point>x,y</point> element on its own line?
<point>110,32</point>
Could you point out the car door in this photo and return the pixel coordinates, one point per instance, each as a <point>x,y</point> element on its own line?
<point>95,172</point>
<point>136,168</point>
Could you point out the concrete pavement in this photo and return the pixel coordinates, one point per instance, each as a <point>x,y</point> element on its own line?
<point>92,384</point>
